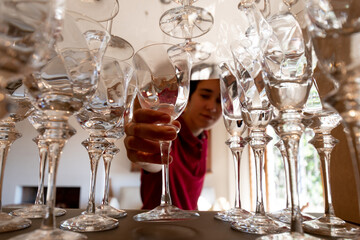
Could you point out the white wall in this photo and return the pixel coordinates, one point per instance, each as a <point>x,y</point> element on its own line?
<point>137,22</point>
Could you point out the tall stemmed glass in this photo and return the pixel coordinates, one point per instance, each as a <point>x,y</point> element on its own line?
<point>38,209</point>
<point>26,29</point>
<point>112,136</point>
<point>334,31</point>
<point>322,120</point>
<point>162,80</point>
<point>287,71</point>
<point>257,114</point>
<point>231,107</point>
<point>60,89</point>
<point>101,114</point>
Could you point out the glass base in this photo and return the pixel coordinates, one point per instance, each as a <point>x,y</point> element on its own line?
<point>36,211</point>
<point>166,213</point>
<point>9,223</point>
<point>232,215</point>
<point>284,216</point>
<point>332,226</point>
<point>110,211</point>
<point>259,224</point>
<point>54,234</point>
<point>89,223</point>
<point>288,236</point>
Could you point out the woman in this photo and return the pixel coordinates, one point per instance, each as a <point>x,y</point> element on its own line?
<point>189,149</point>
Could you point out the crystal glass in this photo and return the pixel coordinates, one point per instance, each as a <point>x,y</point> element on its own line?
<point>257,114</point>
<point>322,120</point>
<point>287,72</point>
<point>112,136</point>
<point>236,127</point>
<point>333,27</point>
<point>26,29</point>
<point>162,79</point>
<point>38,209</point>
<point>101,114</point>
<point>60,89</point>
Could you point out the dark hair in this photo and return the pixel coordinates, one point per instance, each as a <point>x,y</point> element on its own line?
<point>193,86</point>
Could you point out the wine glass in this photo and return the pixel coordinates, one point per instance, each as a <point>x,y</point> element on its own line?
<point>333,29</point>
<point>287,72</point>
<point>257,113</point>
<point>26,28</point>
<point>38,209</point>
<point>235,126</point>
<point>322,120</point>
<point>60,89</point>
<point>101,114</point>
<point>162,80</point>
<point>112,136</point>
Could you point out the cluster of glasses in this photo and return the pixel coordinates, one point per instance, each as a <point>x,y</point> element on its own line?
<point>188,22</point>
<point>269,81</point>
<point>56,63</point>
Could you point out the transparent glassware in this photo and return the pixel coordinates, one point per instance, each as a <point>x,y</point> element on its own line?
<point>284,215</point>
<point>257,113</point>
<point>162,80</point>
<point>335,26</point>
<point>38,209</point>
<point>112,136</point>
<point>287,72</point>
<point>60,89</point>
<point>25,31</point>
<point>101,114</point>
<point>186,22</point>
<point>236,127</point>
<point>322,122</point>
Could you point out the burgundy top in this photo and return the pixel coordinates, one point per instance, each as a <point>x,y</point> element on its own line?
<point>186,172</point>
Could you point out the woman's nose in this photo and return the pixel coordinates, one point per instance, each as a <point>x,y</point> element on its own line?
<point>211,106</point>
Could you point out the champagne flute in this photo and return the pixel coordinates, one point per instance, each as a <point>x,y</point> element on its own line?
<point>162,80</point>
<point>236,127</point>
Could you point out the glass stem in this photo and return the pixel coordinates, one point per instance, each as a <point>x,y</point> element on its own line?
<point>95,153</point>
<point>165,147</point>
<point>237,147</point>
<point>4,148</point>
<point>55,147</point>
<point>280,145</point>
<point>324,144</point>
<point>107,163</point>
<point>43,154</point>
<point>292,144</point>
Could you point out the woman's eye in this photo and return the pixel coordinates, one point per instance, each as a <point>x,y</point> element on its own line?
<point>205,96</point>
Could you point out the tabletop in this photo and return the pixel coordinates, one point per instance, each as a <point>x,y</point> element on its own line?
<point>204,227</point>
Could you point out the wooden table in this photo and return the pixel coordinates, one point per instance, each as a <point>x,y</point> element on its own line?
<point>205,227</point>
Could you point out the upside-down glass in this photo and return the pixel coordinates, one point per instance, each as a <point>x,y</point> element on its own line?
<point>162,80</point>
<point>101,114</point>
<point>60,89</point>
<point>334,29</point>
<point>231,108</point>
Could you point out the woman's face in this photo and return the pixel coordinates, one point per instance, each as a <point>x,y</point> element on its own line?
<point>204,106</point>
